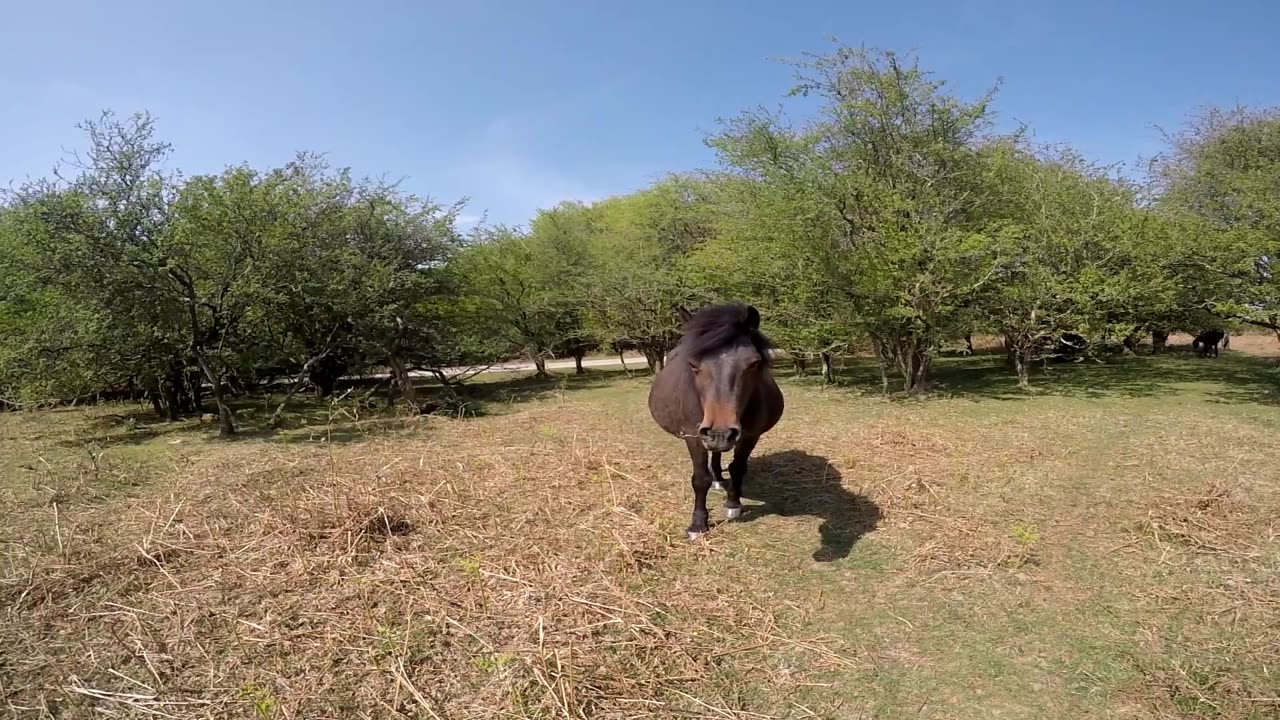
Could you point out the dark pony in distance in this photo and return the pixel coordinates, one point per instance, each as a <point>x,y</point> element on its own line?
<point>1207,342</point>
<point>717,394</point>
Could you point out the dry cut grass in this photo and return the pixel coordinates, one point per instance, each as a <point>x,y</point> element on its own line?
<point>1058,555</point>
<point>441,573</point>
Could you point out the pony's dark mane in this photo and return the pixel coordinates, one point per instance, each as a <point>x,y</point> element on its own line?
<point>720,326</point>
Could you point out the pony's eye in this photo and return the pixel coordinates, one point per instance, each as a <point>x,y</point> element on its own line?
<point>694,367</point>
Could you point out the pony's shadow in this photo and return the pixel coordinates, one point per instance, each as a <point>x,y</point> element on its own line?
<point>794,483</point>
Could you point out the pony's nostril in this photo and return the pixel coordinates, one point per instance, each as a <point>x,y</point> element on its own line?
<point>719,437</point>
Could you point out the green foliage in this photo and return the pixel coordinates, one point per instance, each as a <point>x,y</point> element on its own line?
<point>91,245</point>
<point>634,287</point>
<point>1220,180</point>
<point>261,698</point>
<point>762,255</point>
<point>884,190</point>
<point>49,346</point>
<point>526,282</point>
<point>892,217</point>
<point>124,275</point>
<point>1069,254</point>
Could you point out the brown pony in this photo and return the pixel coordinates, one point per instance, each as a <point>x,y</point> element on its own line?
<point>717,395</point>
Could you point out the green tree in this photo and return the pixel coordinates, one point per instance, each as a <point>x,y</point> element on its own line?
<point>354,272</point>
<point>564,232</point>
<point>305,308</point>
<point>97,239</point>
<point>634,287</point>
<point>356,275</point>
<point>890,185</point>
<point>150,277</point>
<point>409,308</point>
<point>216,263</point>
<point>51,344</point>
<point>529,282</point>
<point>1066,240</point>
<point>1220,179</point>
<point>762,254</point>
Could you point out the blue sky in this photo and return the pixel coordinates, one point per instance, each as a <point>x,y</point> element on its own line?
<point>519,105</point>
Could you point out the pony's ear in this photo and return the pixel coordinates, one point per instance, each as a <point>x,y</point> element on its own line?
<point>753,318</point>
<point>684,314</point>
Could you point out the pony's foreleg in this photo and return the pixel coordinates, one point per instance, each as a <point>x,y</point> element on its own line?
<point>701,484</point>
<point>737,476</point>
<point>717,473</point>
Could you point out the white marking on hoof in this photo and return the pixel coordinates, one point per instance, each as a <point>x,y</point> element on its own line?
<point>695,535</point>
<point>733,513</point>
<point>717,485</point>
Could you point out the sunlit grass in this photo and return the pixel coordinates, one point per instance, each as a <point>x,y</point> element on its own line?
<point>1103,546</point>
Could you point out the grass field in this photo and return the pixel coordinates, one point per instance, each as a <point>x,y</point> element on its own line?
<point>1105,547</point>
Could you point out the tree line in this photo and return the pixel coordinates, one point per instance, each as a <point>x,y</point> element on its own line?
<point>893,219</point>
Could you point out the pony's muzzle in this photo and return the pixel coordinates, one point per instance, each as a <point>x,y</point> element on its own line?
<point>719,439</point>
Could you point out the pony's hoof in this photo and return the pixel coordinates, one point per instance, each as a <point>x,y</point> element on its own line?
<point>717,485</point>
<point>696,535</point>
<point>733,513</point>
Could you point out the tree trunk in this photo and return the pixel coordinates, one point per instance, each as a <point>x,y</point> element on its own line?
<point>540,364</point>
<point>622,359</point>
<point>968,343</point>
<point>913,359</point>
<point>180,395</point>
<point>578,369</point>
<point>921,362</point>
<point>882,363</point>
<point>294,387</point>
<point>404,383</point>
<point>801,364</point>
<point>1010,352</point>
<point>325,383</point>
<point>236,385</point>
<point>906,369</point>
<point>654,358</point>
<point>171,397</point>
<point>828,373</point>
<point>392,392</point>
<point>157,401</point>
<point>1159,340</point>
<point>173,390</point>
<point>194,386</point>
<point>1022,364</point>
<point>226,418</point>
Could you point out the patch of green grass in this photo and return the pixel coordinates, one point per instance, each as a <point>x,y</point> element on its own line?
<point>1095,668</point>
<point>261,699</point>
<point>1025,534</point>
<point>871,557</point>
<point>493,662</point>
